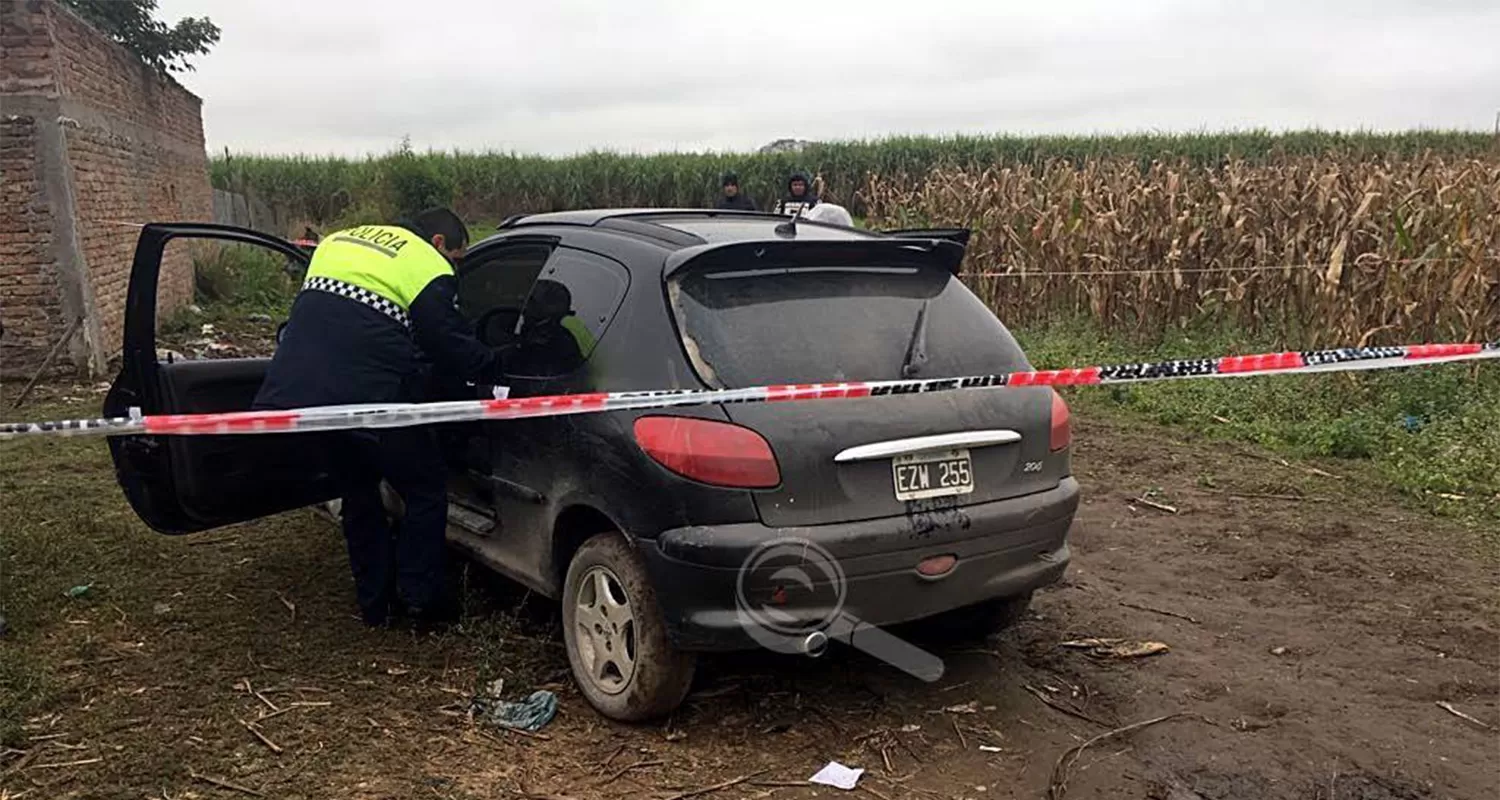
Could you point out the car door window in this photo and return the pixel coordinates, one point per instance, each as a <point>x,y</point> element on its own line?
<point>566,313</point>
<point>493,285</point>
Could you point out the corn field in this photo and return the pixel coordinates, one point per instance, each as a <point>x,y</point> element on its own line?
<point>1311,250</point>
<point>492,186</point>
<point>1309,238</point>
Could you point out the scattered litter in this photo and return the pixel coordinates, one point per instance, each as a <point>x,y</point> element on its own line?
<point>1448,707</point>
<point>161,609</point>
<point>208,329</point>
<point>79,591</point>
<point>1278,651</point>
<point>912,728</point>
<point>264,319</point>
<point>531,714</point>
<point>1162,611</point>
<point>1117,648</point>
<point>195,308</point>
<point>1145,500</point>
<point>838,776</point>
<point>989,748</point>
<point>971,707</point>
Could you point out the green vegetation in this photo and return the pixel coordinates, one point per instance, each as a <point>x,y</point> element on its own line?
<point>1432,433</point>
<point>244,278</point>
<point>162,47</point>
<point>496,185</point>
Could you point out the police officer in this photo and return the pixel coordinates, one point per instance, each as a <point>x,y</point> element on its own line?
<point>375,299</point>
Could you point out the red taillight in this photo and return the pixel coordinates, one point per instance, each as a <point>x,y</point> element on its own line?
<point>715,453</point>
<point>1062,427</point>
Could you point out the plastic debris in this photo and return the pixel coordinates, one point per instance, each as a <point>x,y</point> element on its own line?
<point>531,714</point>
<point>79,591</point>
<point>1117,648</point>
<point>838,776</point>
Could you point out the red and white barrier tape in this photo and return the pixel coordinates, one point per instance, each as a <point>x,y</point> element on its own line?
<point>396,415</point>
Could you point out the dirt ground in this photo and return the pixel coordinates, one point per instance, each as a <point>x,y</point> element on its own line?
<point>1314,627</point>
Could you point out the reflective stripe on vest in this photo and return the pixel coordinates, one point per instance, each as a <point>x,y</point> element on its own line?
<point>359,295</point>
<point>387,260</point>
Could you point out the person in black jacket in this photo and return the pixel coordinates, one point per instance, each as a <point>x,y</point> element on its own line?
<point>376,300</point>
<point>799,195</point>
<point>733,199</point>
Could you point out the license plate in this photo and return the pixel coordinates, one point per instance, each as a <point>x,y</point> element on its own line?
<point>922,475</point>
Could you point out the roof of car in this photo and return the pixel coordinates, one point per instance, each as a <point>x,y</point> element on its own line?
<point>676,228</point>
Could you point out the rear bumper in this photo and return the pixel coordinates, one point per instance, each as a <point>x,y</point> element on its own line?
<point>1002,548</point>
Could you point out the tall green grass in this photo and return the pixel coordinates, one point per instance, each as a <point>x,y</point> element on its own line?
<point>1432,433</point>
<point>495,185</point>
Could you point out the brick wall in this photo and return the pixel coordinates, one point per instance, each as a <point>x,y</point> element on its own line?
<point>114,144</point>
<point>30,296</point>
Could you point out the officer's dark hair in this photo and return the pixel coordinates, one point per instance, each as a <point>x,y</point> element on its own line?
<point>443,221</point>
<point>731,179</point>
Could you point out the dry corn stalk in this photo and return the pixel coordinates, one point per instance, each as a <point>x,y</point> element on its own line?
<point>1313,249</point>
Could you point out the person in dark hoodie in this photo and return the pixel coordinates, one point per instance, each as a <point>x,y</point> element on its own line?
<point>733,199</point>
<point>799,195</point>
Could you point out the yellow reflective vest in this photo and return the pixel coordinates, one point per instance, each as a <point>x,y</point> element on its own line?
<point>388,260</point>
<point>581,334</point>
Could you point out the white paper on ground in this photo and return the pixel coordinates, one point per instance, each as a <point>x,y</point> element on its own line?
<point>500,392</point>
<point>837,775</point>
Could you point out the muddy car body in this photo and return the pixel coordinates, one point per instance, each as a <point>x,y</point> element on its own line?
<point>949,507</point>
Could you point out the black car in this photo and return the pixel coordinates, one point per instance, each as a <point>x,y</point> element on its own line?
<point>950,507</point>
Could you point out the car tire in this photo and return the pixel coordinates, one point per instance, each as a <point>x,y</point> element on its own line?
<point>616,635</point>
<point>977,621</point>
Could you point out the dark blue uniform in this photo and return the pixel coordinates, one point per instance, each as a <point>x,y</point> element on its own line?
<point>377,299</point>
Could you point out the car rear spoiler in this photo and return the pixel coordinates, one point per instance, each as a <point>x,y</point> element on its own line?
<point>887,252</point>
<point>960,235</point>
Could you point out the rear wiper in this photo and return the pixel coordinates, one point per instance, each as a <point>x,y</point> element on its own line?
<point>916,349</point>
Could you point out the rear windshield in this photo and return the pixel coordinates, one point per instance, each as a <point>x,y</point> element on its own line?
<point>811,325</point>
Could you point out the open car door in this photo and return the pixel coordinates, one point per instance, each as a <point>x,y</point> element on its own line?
<point>184,484</point>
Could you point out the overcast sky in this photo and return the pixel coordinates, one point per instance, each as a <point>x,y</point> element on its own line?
<point>558,77</point>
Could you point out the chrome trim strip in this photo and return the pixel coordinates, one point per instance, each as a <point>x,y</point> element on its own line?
<point>922,444</point>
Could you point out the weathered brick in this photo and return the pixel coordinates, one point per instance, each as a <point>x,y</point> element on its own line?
<point>140,157</point>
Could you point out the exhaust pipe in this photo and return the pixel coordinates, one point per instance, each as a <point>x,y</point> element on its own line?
<point>815,644</point>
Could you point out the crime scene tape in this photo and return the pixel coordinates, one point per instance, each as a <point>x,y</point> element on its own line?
<point>396,415</point>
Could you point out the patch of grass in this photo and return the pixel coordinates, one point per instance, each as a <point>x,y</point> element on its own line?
<point>58,503</point>
<point>244,277</point>
<point>1431,432</point>
<point>23,691</point>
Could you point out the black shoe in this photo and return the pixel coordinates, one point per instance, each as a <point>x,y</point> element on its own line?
<point>434,619</point>
<point>379,615</point>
